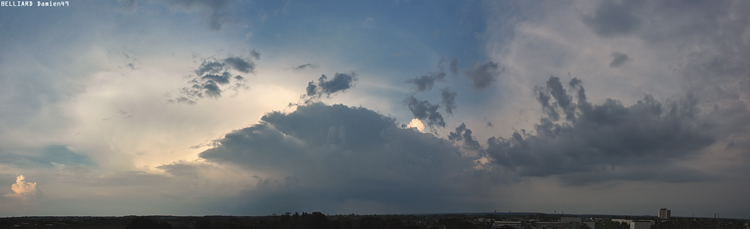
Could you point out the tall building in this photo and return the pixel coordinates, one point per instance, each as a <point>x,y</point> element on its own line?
<point>664,214</point>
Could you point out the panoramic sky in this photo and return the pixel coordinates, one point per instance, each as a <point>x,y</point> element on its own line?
<point>206,107</point>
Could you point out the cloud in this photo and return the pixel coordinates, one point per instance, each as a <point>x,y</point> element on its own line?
<point>340,83</point>
<point>613,19</point>
<point>563,101</point>
<point>244,66</point>
<point>449,100</point>
<point>305,66</point>
<point>45,157</point>
<point>609,141</point>
<point>220,79</point>
<point>255,54</point>
<point>213,77</point>
<point>481,76</point>
<point>217,10</point>
<point>323,157</point>
<point>427,81</point>
<point>618,59</point>
<point>454,66</point>
<point>416,123</point>
<point>24,189</point>
<point>463,134</point>
<point>425,111</point>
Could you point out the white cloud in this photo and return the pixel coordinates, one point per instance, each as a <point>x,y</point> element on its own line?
<point>24,189</point>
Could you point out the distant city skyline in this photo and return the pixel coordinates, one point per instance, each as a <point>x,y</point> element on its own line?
<point>222,107</point>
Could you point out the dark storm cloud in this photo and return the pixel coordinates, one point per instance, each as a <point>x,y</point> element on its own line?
<point>603,142</point>
<point>449,100</point>
<point>217,10</point>
<point>618,59</point>
<point>481,76</point>
<point>335,154</point>
<point>340,83</point>
<point>214,77</point>
<point>425,111</point>
<point>305,66</point>
<point>614,19</point>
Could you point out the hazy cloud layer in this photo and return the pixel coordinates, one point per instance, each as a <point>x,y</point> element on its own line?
<point>342,155</point>
<point>217,11</point>
<point>609,141</point>
<point>614,19</point>
<point>482,75</point>
<point>46,157</point>
<point>454,66</point>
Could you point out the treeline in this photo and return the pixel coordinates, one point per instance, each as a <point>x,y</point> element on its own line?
<point>315,220</point>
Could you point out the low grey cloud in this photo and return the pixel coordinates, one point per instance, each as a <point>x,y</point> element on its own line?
<point>255,54</point>
<point>449,100</point>
<point>361,156</point>
<point>463,135</point>
<point>427,81</point>
<point>482,75</point>
<point>213,77</point>
<point>425,111</point>
<point>217,10</point>
<point>554,99</point>
<point>609,141</point>
<point>244,66</point>
<point>340,83</point>
<point>618,59</point>
<point>614,19</point>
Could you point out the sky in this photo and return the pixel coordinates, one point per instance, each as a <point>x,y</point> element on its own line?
<point>220,107</point>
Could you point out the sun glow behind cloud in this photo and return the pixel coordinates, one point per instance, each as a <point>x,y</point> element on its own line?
<point>417,124</point>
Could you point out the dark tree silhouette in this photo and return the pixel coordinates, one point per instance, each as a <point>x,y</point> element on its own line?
<point>146,223</point>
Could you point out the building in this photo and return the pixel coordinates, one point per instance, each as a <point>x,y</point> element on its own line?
<point>664,214</point>
<point>514,224</point>
<point>574,222</point>
<point>636,224</point>
<point>640,224</point>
